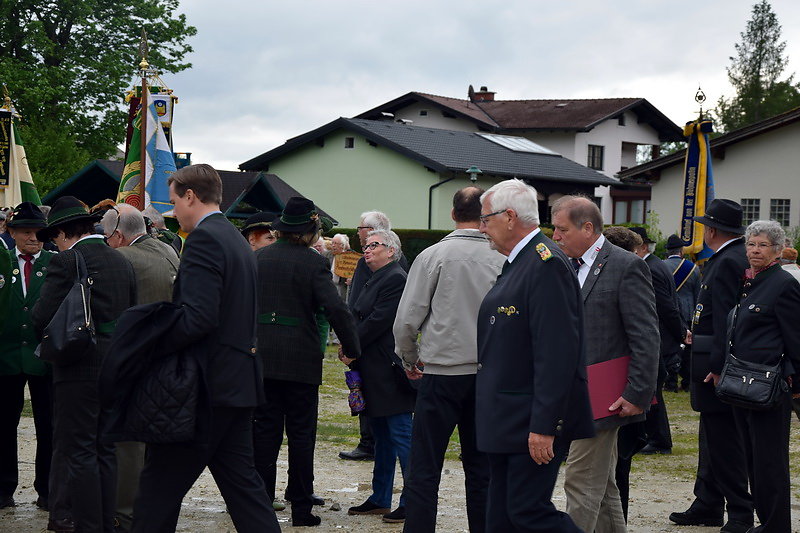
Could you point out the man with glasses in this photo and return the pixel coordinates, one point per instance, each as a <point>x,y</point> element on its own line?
<point>155,265</point>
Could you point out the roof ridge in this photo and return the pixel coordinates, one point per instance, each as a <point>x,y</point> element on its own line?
<point>563,99</point>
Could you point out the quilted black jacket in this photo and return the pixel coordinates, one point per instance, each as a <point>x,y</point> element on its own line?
<point>155,396</point>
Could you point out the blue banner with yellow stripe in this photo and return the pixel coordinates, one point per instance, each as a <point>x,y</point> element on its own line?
<point>698,186</point>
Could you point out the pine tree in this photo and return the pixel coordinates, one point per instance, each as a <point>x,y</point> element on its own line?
<point>754,74</point>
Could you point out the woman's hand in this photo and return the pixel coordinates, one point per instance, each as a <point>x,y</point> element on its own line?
<point>712,377</point>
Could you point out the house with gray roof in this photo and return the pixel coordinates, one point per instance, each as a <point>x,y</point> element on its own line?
<point>411,172</point>
<point>605,134</point>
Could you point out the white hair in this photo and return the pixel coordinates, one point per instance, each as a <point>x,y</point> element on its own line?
<point>155,217</point>
<point>343,239</point>
<point>516,195</point>
<point>391,240</point>
<point>770,229</point>
<point>131,221</point>
<point>375,220</point>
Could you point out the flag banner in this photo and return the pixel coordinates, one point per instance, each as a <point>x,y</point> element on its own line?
<point>20,186</point>
<point>698,186</point>
<point>164,107</point>
<point>154,167</point>
<point>5,147</point>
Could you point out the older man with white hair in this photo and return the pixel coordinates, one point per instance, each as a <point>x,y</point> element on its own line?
<point>155,265</point>
<point>531,394</point>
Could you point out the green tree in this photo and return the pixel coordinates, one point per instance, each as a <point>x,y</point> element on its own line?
<point>754,74</point>
<point>67,64</point>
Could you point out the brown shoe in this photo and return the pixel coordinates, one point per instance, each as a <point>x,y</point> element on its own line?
<point>63,525</point>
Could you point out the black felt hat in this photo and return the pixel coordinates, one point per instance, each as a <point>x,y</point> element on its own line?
<point>261,220</point>
<point>674,242</point>
<point>65,209</point>
<point>300,216</point>
<point>27,215</point>
<point>723,214</point>
<point>641,232</point>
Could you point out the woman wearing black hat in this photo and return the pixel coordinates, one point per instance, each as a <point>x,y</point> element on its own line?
<point>78,417</point>
<point>294,284</point>
<point>258,230</point>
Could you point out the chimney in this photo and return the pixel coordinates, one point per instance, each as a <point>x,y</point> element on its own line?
<point>484,95</point>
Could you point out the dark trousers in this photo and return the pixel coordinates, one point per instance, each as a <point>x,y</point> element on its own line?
<point>766,442</point>
<point>90,463</point>
<point>12,400</point>
<point>366,441</point>
<point>721,469</point>
<point>630,439</point>
<point>444,402</point>
<point>657,422</point>
<point>291,406</point>
<point>170,470</point>
<point>686,366</point>
<point>521,492</point>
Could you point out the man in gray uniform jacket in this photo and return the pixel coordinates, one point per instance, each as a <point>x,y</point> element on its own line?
<point>445,287</point>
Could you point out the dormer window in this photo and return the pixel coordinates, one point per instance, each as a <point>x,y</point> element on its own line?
<point>621,120</point>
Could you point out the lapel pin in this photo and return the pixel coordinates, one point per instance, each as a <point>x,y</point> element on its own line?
<point>39,274</point>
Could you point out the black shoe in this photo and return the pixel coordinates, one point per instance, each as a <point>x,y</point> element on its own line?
<point>734,526</point>
<point>316,500</point>
<point>7,501</point>
<point>42,504</point>
<point>649,449</point>
<point>695,518</point>
<point>368,508</point>
<point>63,525</point>
<point>358,454</point>
<point>306,520</point>
<point>398,516</point>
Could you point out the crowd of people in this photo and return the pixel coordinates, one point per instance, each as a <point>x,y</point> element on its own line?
<point>541,352</point>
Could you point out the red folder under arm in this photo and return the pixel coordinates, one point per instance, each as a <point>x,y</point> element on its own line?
<point>607,382</point>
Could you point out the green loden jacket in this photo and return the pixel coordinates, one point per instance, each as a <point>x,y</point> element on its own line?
<point>17,337</point>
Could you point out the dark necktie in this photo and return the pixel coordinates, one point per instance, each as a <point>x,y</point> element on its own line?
<point>576,263</point>
<point>27,268</point>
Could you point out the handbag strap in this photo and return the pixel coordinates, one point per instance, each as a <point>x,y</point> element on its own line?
<point>81,271</point>
<point>732,327</point>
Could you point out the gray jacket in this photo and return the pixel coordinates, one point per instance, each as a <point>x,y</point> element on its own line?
<point>620,319</point>
<point>443,293</point>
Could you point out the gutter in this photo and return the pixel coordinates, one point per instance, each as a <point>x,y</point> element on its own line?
<point>430,197</point>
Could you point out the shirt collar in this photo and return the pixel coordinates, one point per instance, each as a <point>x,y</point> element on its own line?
<point>521,244</point>
<point>208,215</point>
<point>591,253</point>
<point>726,243</point>
<point>86,238</point>
<point>19,253</point>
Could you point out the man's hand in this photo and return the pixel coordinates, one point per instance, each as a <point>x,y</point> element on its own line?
<point>688,338</point>
<point>712,377</point>
<point>541,448</point>
<point>625,407</point>
<point>343,358</point>
<point>414,374</point>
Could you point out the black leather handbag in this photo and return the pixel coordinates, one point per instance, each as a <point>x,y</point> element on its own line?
<point>749,385</point>
<point>70,335</point>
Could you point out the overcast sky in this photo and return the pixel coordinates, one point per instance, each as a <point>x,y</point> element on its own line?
<point>267,71</point>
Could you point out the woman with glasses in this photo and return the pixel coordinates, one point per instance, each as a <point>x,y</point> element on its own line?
<point>388,395</point>
<point>763,329</point>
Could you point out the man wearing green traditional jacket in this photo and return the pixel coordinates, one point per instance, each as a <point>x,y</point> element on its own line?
<point>18,366</point>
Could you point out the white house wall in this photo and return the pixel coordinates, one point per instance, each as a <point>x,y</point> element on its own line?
<point>433,119</point>
<point>765,167</point>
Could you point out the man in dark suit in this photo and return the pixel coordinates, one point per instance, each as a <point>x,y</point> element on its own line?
<point>620,321</point>
<point>78,418</point>
<point>721,467</point>
<point>294,284</point>
<point>531,395</point>
<point>216,288</point>
<point>155,265</point>
<point>686,276</point>
<point>18,365</point>
<point>672,332</point>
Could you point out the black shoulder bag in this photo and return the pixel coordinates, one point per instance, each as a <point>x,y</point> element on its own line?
<point>70,335</point>
<point>749,385</point>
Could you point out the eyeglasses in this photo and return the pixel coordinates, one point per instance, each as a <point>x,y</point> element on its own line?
<point>116,226</point>
<point>759,245</point>
<point>484,218</point>
<point>373,245</point>
<point>359,228</point>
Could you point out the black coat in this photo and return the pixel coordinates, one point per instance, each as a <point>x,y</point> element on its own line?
<point>719,293</point>
<point>294,283</point>
<point>386,389</point>
<point>216,290</point>
<point>766,321</point>
<point>153,395</point>
<point>531,360</point>
<point>113,291</point>
<point>670,325</point>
